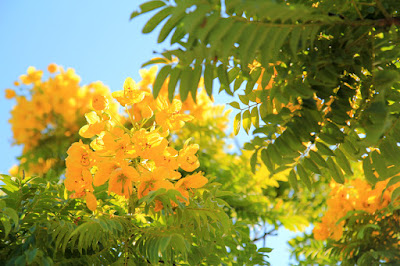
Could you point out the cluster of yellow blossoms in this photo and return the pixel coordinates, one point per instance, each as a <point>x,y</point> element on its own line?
<point>134,159</point>
<point>202,111</point>
<point>49,108</point>
<point>357,194</point>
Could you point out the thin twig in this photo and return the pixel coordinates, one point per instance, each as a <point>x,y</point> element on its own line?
<point>383,10</point>
<point>357,10</point>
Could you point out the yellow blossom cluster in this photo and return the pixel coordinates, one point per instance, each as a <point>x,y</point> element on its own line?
<point>47,102</point>
<point>134,159</point>
<point>203,110</point>
<point>356,195</point>
<point>51,107</point>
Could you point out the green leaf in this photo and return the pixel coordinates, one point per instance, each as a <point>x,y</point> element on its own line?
<point>161,76</point>
<point>208,78</point>
<point>266,160</point>
<point>292,178</point>
<point>155,61</point>
<point>304,176</point>
<point>177,15</point>
<point>267,250</point>
<point>235,105</point>
<point>147,7</point>
<point>164,242</point>
<point>395,194</point>
<point>30,255</point>
<point>150,6</point>
<point>185,83</point>
<point>223,78</point>
<point>238,81</point>
<point>368,172</point>
<point>12,214</point>
<point>255,119</point>
<point>342,161</point>
<point>394,180</point>
<point>246,121</point>
<point>156,19</point>
<point>173,80</point>
<point>231,38</point>
<point>336,173</point>
<point>294,40</point>
<point>310,165</point>
<point>274,154</point>
<point>7,227</point>
<point>253,162</point>
<point>247,37</point>
<point>193,20</point>
<point>219,31</point>
<point>318,159</point>
<point>244,99</point>
<point>324,149</point>
<point>194,83</point>
<point>237,123</point>
<point>210,22</point>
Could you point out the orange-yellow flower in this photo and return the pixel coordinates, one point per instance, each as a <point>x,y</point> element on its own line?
<point>187,157</point>
<point>99,102</point>
<point>78,180</point>
<point>121,146</point>
<point>52,68</point>
<point>95,125</point>
<point>152,181</point>
<point>169,116</point>
<point>121,180</point>
<point>32,76</point>
<point>91,201</point>
<point>130,94</point>
<point>79,155</point>
<point>10,93</point>
<point>104,171</point>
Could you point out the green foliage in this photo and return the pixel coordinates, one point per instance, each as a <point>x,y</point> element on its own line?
<point>42,226</point>
<point>334,99</point>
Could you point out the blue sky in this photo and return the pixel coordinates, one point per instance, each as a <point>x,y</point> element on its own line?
<point>95,38</point>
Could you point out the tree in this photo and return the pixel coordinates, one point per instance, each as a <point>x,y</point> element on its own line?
<point>128,194</point>
<point>318,81</point>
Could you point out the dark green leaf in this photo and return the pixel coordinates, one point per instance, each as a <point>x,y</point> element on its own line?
<point>253,161</point>
<point>336,173</point>
<point>322,148</point>
<point>160,79</point>
<point>184,87</point>
<point>156,19</point>
<point>266,160</point>
<point>173,80</point>
<point>292,178</point>
<point>310,165</point>
<point>304,176</point>
<point>342,161</point>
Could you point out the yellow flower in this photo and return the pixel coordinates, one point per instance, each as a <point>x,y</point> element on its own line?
<point>121,180</point>
<point>79,156</point>
<point>130,94</point>
<point>32,76</point>
<point>169,116</point>
<point>99,102</point>
<point>91,201</point>
<point>10,93</point>
<point>52,68</point>
<point>187,159</point>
